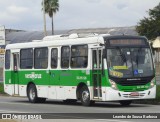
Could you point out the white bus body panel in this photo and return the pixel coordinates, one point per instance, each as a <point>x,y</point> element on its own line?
<point>9,89</point>
<point>22,90</point>
<point>113,95</point>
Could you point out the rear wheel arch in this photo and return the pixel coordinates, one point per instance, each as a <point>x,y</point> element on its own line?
<point>78,90</point>
<point>32,94</point>
<point>28,86</point>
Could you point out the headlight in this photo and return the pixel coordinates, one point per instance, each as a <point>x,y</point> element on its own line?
<point>113,85</point>
<point>152,83</point>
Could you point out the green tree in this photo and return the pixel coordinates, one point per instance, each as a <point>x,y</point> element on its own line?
<point>51,7</point>
<point>150,26</point>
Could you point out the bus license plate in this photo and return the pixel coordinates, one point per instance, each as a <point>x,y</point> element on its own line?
<point>134,94</point>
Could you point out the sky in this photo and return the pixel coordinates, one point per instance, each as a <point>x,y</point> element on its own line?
<point>74,14</point>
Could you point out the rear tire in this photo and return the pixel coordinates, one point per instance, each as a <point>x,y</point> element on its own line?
<point>85,96</point>
<point>32,95</point>
<point>125,102</point>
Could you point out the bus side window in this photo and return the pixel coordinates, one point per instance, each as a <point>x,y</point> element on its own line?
<point>41,58</point>
<point>79,56</point>
<point>26,58</point>
<point>65,56</point>
<point>54,57</point>
<point>7,59</point>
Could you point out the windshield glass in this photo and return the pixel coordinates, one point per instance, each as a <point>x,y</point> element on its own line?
<point>129,62</point>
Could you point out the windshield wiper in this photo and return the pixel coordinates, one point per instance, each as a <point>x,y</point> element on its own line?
<point>122,55</point>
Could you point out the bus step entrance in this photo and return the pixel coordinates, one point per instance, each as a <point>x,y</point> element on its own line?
<point>97,98</point>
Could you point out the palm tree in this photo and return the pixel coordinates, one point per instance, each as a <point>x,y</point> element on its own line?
<point>51,7</point>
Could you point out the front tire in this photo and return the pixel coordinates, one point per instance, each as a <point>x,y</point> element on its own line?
<point>85,96</point>
<point>32,95</point>
<point>125,102</point>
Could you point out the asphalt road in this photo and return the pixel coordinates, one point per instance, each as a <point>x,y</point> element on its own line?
<point>21,105</point>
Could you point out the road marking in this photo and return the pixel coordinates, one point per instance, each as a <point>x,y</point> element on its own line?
<point>10,111</point>
<point>15,103</point>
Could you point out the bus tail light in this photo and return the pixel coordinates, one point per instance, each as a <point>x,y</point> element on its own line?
<point>113,85</point>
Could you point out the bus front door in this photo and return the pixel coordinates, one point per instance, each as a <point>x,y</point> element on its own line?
<point>97,73</point>
<point>15,77</point>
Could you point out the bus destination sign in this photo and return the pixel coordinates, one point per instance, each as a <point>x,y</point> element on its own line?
<point>125,42</point>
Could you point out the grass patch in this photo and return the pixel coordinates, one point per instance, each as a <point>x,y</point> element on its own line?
<point>1,88</point>
<point>158,94</point>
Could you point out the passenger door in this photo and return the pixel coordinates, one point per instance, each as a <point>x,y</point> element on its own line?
<point>65,73</point>
<point>15,76</point>
<point>54,73</point>
<point>97,73</point>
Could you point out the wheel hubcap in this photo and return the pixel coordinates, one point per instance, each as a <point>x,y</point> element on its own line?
<point>85,95</point>
<point>32,94</point>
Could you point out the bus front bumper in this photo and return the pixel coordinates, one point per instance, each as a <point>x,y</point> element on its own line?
<point>114,95</point>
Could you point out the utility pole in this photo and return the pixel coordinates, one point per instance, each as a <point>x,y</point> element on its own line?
<point>44,19</point>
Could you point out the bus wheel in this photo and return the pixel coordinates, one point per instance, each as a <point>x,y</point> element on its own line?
<point>85,96</point>
<point>125,102</point>
<point>32,94</point>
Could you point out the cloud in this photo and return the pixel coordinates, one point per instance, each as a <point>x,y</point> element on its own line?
<point>18,14</point>
<point>13,14</point>
<point>73,14</point>
<point>13,9</point>
<point>121,6</point>
<point>93,1</point>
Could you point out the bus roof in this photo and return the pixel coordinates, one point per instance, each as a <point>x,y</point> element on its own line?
<point>59,40</point>
<point>73,39</point>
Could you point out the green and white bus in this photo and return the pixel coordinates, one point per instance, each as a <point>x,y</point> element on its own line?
<point>81,67</point>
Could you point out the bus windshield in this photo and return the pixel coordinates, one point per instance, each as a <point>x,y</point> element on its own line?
<point>129,62</point>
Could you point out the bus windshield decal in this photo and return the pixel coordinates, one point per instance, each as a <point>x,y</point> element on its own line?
<point>116,73</point>
<point>120,67</point>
